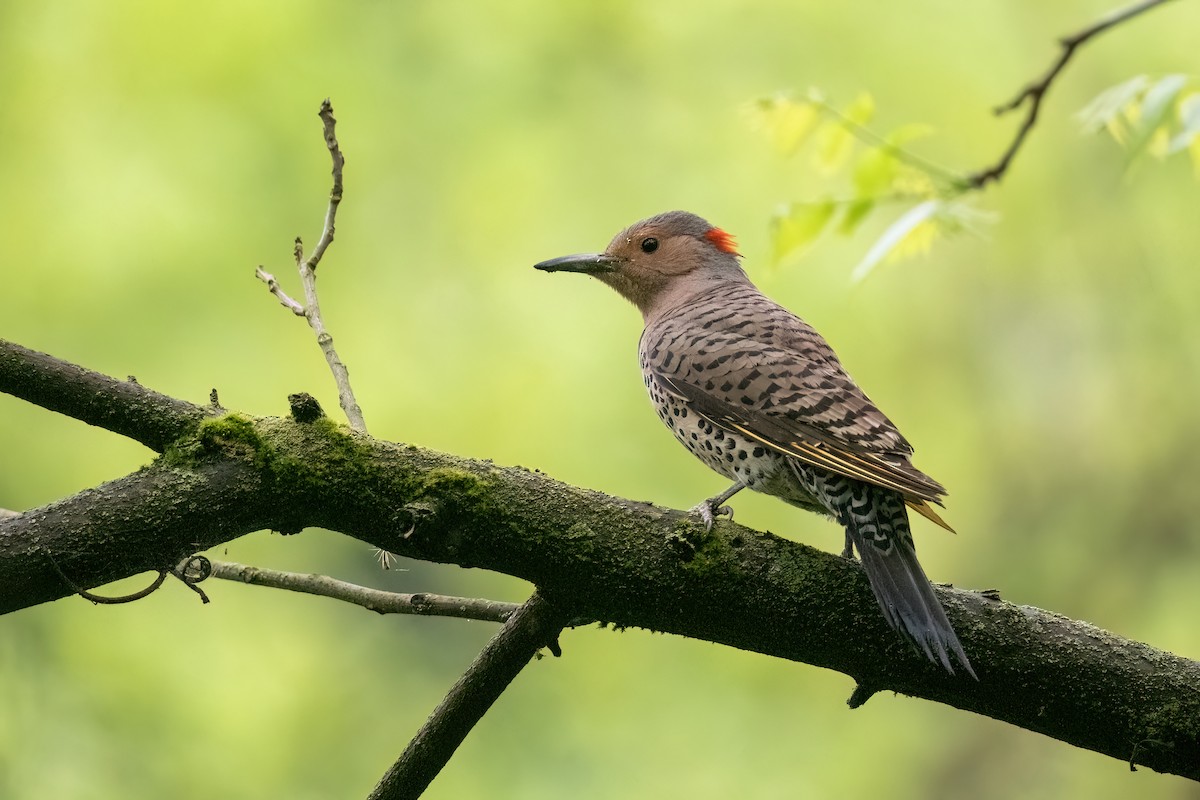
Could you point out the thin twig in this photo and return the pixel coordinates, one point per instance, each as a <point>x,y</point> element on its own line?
<point>534,625</point>
<point>341,376</point>
<point>1033,94</point>
<point>311,309</point>
<point>103,599</point>
<point>868,136</point>
<point>879,199</point>
<point>308,275</point>
<point>335,194</point>
<point>434,605</point>
<point>273,285</point>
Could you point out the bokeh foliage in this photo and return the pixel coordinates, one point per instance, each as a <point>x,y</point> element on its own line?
<point>154,153</point>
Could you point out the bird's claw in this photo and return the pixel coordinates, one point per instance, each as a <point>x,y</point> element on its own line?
<point>709,513</point>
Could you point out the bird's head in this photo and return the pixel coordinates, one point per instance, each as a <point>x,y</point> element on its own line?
<point>661,261</point>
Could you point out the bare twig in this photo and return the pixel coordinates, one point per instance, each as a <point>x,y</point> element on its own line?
<point>534,625</point>
<point>341,376</point>
<point>273,285</point>
<point>335,194</point>
<point>1033,94</point>
<point>434,605</point>
<point>103,599</point>
<point>311,310</point>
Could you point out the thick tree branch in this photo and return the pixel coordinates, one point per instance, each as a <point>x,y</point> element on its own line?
<point>535,625</point>
<point>1033,94</point>
<point>628,563</point>
<point>123,407</point>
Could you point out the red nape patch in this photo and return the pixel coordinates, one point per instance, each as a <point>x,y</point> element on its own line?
<point>722,241</point>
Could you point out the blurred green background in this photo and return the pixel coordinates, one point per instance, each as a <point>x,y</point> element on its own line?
<point>155,153</point>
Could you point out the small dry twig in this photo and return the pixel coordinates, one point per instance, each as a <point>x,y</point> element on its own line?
<point>311,309</point>
<point>432,605</point>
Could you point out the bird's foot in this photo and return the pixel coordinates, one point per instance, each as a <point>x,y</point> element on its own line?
<point>708,512</point>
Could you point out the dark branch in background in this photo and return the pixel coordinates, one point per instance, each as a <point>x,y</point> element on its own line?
<point>425,604</point>
<point>628,563</point>
<point>123,407</point>
<point>1033,94</point>
<point>307,267</point>
<point>535,625</point>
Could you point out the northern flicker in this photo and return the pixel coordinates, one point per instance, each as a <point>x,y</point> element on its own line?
<point>756,394</point>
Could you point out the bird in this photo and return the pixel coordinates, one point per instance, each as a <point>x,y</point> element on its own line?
<point>759,396</point>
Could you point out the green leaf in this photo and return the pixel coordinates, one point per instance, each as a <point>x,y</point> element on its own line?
<point>1155,112</point>
<point>856,212</point>
<point>836,137</point>
<point>1160,143</point>
<point>909,224</point>
<point>874,172</point>
<point>956,216</point>
<point>1189,123</point>
<point>1106,109</point>
<point>878,169</point>
<point>795,227</point>
<point>861,110</point>
<point>787,122</point>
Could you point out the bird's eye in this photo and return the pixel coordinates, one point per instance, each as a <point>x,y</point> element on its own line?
<point>649,244</point>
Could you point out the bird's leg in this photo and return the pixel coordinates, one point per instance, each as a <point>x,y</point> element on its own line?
<point>848,550</point>
<point>714,507</point>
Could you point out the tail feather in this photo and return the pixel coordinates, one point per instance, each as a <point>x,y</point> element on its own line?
<point>876,521</point>
<point>908,601</point>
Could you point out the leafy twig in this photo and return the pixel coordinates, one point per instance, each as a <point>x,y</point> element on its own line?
<point>1033,94</point>
<point>869,137</point>
<point>941,208</point>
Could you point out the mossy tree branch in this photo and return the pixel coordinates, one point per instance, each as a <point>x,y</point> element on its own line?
<point>624,562</point>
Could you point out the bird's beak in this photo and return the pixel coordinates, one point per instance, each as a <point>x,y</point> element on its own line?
<point>587,263</point>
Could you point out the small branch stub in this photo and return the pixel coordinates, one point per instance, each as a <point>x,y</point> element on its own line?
<point>305,407</point>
